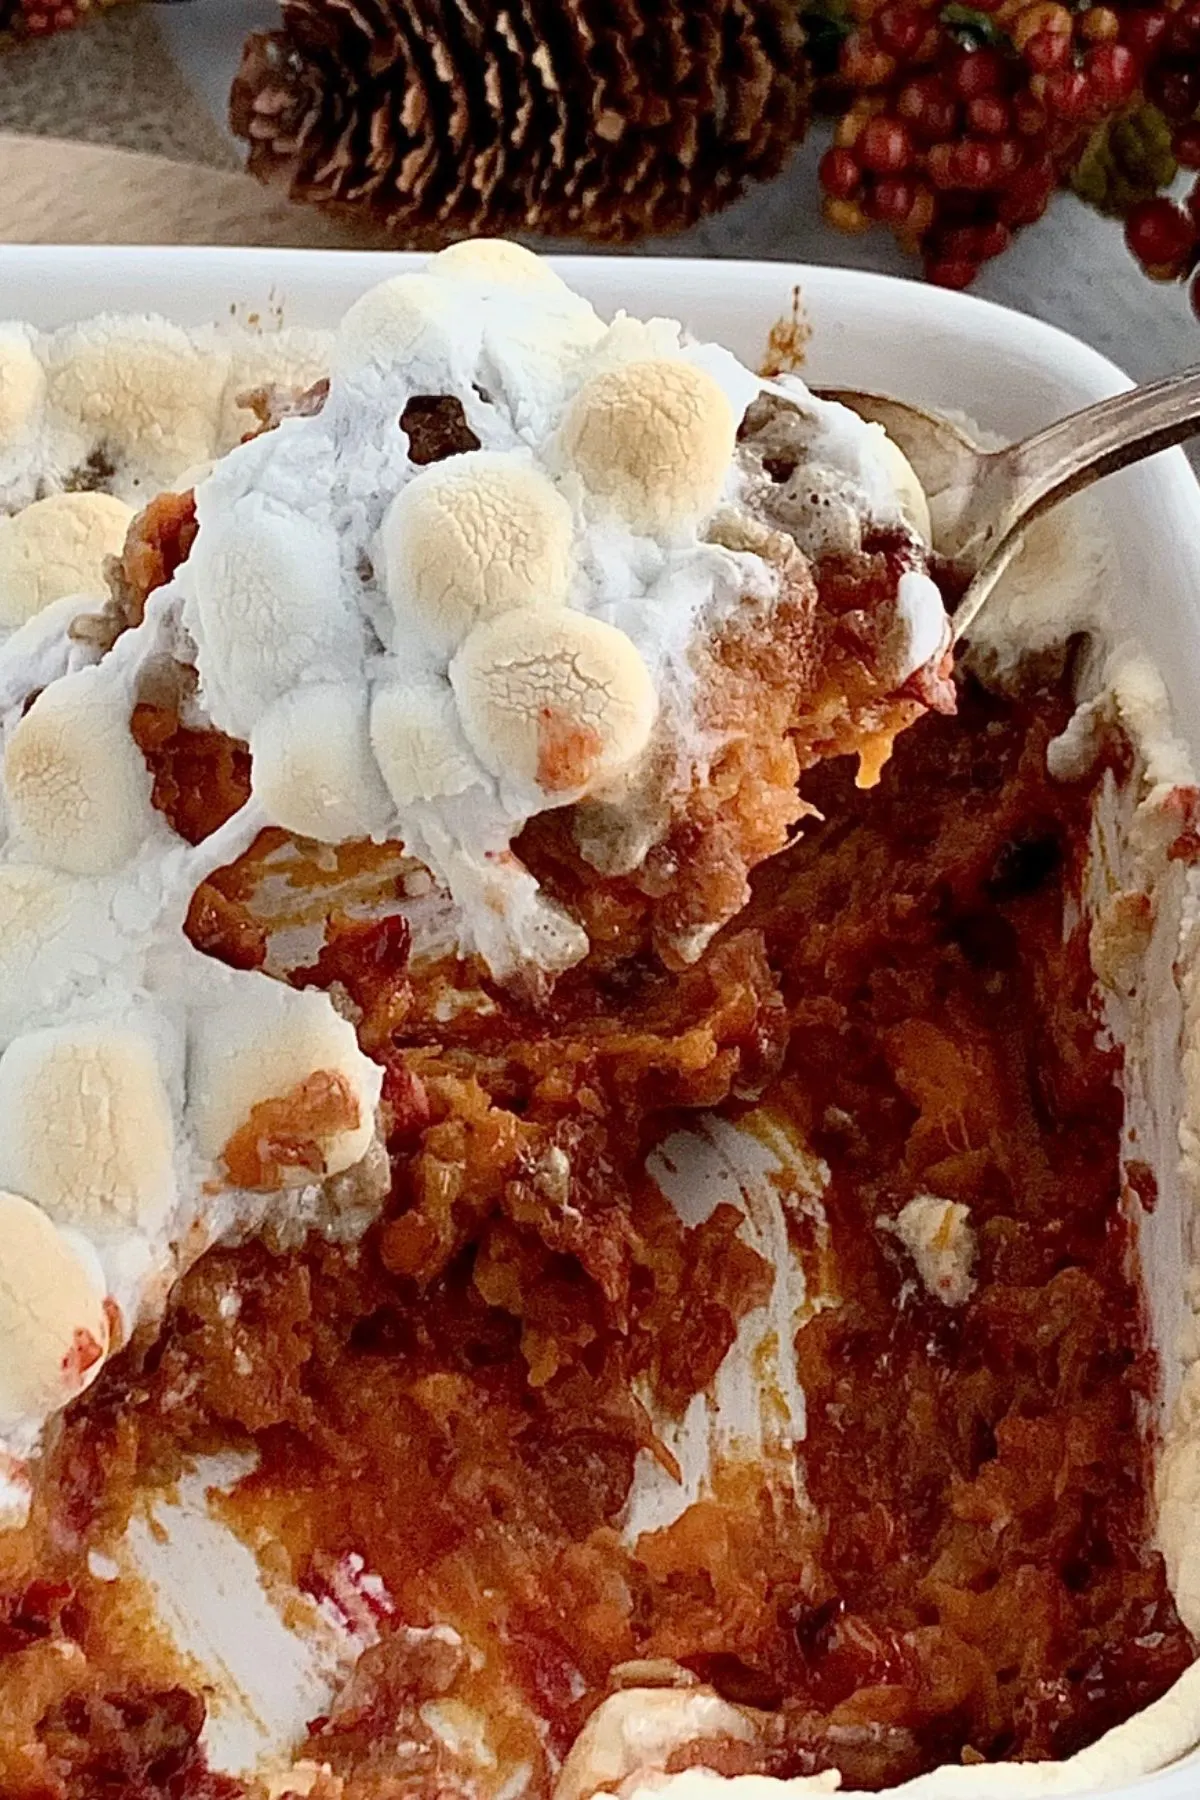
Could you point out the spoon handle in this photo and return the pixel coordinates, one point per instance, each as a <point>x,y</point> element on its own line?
<point>1015,486</point>
<point>1030,477</point>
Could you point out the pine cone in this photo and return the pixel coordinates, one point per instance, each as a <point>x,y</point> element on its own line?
<point>600,119</point>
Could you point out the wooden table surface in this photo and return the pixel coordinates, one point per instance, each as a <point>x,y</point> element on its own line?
<point>53,192</point>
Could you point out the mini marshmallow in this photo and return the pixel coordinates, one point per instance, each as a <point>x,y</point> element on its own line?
<point>58,546</point>
<point>87,1126</point>
<point>653,440</point>
<point>558,703</point>
<point>922,628</point>
<point>419,744</point>
<point>313,770</point>
<point>294,358</point>
<point>22,384</point>
<point>472,537</point>
<point>634,1732</point>
<point>78,789</point>
<point>140,387</point>
<point>54,1329</point>
<point>270,609</point>
<point>262,1045</point>
<point>497,260</point>
<point>55,933</point>
<point>938,1236</point>
<point>387,325</point>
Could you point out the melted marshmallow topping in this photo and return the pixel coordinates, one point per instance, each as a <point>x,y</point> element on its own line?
<point>433,652</point>
<point>439,652</point>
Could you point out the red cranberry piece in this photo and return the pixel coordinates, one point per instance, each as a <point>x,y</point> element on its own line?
<point>884,146</point>
<point>1112,74</point>
<point>1143,29</point>
<point>974,243</point>
<point>945,273</point>
<point>1186,145</point>
<point>863,63</point>
<point>941,165</point>
<point>989,115</point>
<point>900,29</point>
<point>1027,195</point>
<point>978,72</point>
<point>1068,93</point>
<point>1161,236</point>
<point>928,109</point>
<point>978,163</point>
<point>1047,50</point>
<point>1175,89</point>
<point>893,199</point>
<point>839,173</point>
<point>1183,31</point>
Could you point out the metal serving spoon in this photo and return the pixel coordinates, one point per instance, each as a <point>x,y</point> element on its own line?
<point>982,501</point>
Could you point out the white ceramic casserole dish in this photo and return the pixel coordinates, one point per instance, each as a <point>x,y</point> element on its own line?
<point>1009,374</point>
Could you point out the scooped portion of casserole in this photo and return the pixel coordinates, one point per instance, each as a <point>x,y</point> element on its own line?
<point>539,1013</point>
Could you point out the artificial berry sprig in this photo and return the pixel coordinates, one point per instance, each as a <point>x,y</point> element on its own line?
<point>1163,235</point>
<point>957,124</point>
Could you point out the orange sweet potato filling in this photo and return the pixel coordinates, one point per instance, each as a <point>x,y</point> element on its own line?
<point>285,1137</point>
<point>458,1405</point>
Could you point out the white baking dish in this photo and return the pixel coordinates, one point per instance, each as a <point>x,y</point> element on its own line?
<point>1007,372</point>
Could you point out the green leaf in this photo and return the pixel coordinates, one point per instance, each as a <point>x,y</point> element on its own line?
<point>826,28</point>
<point>972,28</point>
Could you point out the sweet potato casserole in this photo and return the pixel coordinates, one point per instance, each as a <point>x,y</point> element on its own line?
<point>550,1037</point>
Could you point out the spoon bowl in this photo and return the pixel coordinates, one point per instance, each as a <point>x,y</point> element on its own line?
<point>982,502</point>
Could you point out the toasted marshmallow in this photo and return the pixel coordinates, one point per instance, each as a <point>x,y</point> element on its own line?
<point>263,1045</point>
<point>497,260</point>
<point>556,703</point>
<point>56,935</point>
<point>54,1330</point>
<point>22,384</point>
<point>140,387</point>
<point>419,744</point>
<point>312,765</point>
<point>635,1732</point>
<point>287,359</point>
<point>388,324</point>
<point>471,538</point>
<point>58,546</point>
<point>653,441</point>
<point>78,788</point>
<point>270,609</point>
<point>87,1126</point>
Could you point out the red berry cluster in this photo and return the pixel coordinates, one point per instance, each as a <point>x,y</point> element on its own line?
<point>1165,237</point>
<point>39,18</point>
<point>962,121</point>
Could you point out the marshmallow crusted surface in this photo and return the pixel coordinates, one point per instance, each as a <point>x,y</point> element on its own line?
<point>530,552</point>
<point>566,1439</point>
<point>417,633</point>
